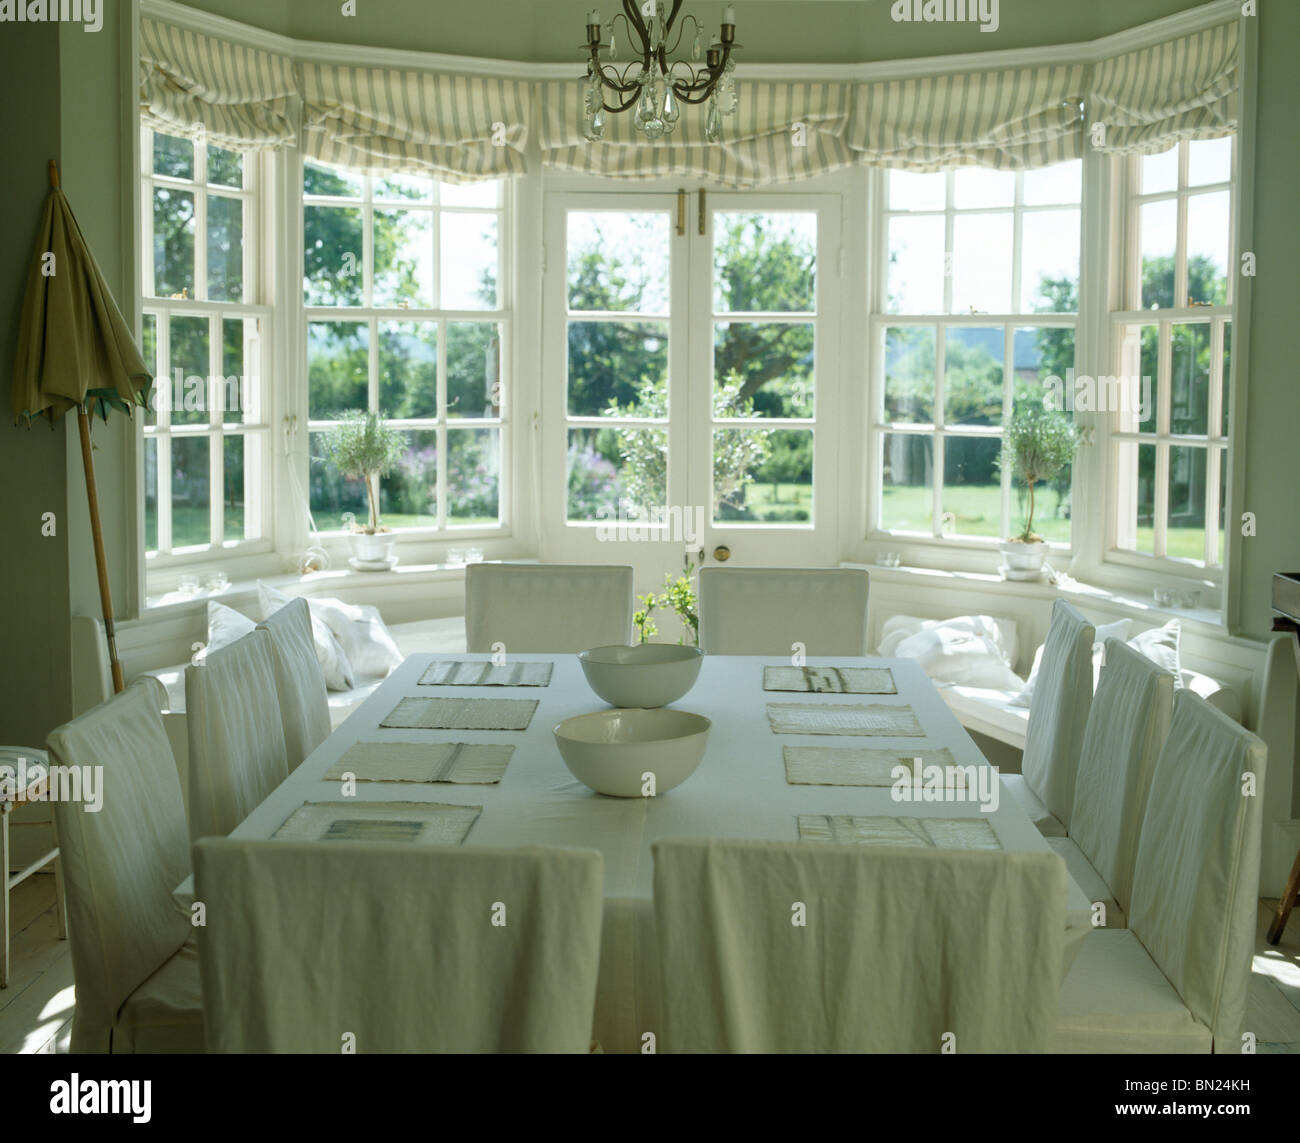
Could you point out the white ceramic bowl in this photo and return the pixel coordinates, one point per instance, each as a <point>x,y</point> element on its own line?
<point>644,675</point>
<point>615,751</point>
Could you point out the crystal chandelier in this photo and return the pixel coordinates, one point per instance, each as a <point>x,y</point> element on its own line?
<point>650,83</point>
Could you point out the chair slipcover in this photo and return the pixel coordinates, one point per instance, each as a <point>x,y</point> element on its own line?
<point>534,608</point>
<point>899,948</point>
<point>299,683</point>
<point>404,948</point>
<point>137,981</point>
<point>237,752</point>
<point>1058,714</point>
<point>1195,886</point>
<point>766,611</point>
<point>1127,726</point>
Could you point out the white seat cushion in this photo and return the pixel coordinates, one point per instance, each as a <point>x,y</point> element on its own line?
<point>1047,823</point>
<point>165,1014</point>
<point>989,711</point>
<point>1116,1000</point>
<point>1089,880</point>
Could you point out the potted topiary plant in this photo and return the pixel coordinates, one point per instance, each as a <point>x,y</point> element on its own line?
<point>1037,444</point>
<point>360,445</point>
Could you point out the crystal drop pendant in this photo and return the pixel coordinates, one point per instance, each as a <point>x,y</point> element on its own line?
<point>598,125</point>
<point>713,124</point>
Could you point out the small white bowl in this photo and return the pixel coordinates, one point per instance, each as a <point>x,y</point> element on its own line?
<point>616,752</point>
<point>643,675</point>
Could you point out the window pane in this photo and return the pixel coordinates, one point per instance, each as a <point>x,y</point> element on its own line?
<point>1227,375</point>
<point>909,375</point>
<point>484,194</point>
<point>473,477</point>
<point>1209,161</point>
<point>1159,235</point>
<point>469,261</point>
<point>172,156</point>
<point>972,487</point>
<point>618,261</point>
<point>763,476</point>
<point>191,521</point>
<point>764,262</point>
<point>225,249</point>
<point>1150,365</point>
<point>187,385</point>
<point>1049,262</point>
<point>977,187</point>
<point>909,191</point>
<point>173,242</point>
<point>337,367</point>
<point>236,387</point>
<point>232,448</point>
<point>609,465</point>
<point>1160,172</point>
<point>907,483</point>
<point>149,350</point>
<point>981,263</point>
<point>408,496</point>
<point>972,375</point>
<point>1186,535</point>
<point>763,369</point>
<point>1208,236</point>
<point>1043,369</point>
<point>1136,471</point>
<point>225,168</point>
<point>403,253</point>
<point>623,364</point>
<point>1048,186</point>
<point>150,494</point>
<point>916,265</point>
<point>331,181</point>
<point>403,188</point>
<point>473,369</point>
<point>332,255</point>
<point>408,369</point>
<point>1189,394</point>
<point>332,493</point>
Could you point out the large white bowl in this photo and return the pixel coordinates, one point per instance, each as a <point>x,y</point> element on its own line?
<point>644,675</point>
<point>616,751</point>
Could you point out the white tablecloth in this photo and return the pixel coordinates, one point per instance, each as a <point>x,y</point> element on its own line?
<point>739,791</point>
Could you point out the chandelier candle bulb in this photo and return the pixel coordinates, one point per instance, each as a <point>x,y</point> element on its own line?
<point>729,15</point>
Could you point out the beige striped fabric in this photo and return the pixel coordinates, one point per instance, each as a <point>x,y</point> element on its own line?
<point>779,132</point>
<point>455,128</point>
<point>1007,119</point>
<point>237,97</point>
<point>1182,89</point>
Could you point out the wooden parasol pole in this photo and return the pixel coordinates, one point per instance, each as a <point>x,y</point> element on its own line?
<point>96,531</point>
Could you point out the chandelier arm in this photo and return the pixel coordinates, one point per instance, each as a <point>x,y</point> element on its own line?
<point>699,89</point>
<point>620,83</point>
<point>633,14</point>
<point>682,31</point>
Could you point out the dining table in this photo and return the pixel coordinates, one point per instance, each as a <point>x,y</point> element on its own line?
<point>760,739</point>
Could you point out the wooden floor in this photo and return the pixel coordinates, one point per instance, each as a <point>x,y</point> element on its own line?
<point>36,1008</point>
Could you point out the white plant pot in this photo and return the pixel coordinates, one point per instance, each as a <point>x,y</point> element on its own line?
<point>1023,561</point>
<point>374,549</point>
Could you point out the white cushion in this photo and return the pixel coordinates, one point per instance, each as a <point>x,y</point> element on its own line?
<point>1044,820</point>
<point>361,633</point>
<point>988,711</point>
<point>1116,1000</point>
<point>225,625</point>
<point>334,663</point>
<point>1160,645</point>
<point>1085,876</point>
<point>1117,630</point>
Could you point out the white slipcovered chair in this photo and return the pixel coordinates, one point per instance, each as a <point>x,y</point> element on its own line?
<point>237,753</point>
<point>1176,979</point>
<point>547,607</point>
<point>1127,727</point>
<point>766,611</point>
<point>133,952</point>
<point>1058,714</point>
<point>299,682</point>
<point>404,948</point>
<point>898,948</point>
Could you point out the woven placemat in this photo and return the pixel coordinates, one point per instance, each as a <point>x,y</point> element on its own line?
<point>460,762</point>
<point>860,765</point>
<point>461,714</point>
<point>843,718</point>
<point>831,680</point>
<point>429,823</point>
<point>468,673</point>
<point>931,833</point>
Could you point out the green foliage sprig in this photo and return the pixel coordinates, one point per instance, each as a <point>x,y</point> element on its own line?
<point>361,445</point>
<point>1037,444</point>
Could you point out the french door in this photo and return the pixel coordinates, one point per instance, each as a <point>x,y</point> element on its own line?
<point>689,379</point>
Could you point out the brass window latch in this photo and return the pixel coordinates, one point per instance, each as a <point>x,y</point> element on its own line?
<point>681,212</point>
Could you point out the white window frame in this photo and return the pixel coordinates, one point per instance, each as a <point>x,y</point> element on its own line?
<point>258,461</point>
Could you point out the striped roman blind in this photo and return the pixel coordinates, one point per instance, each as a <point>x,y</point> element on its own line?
<point>237,96</point>
<point>456,128</point>
<point>1011,118</point>
<point>779,132</point>
<point>1182,89</point>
